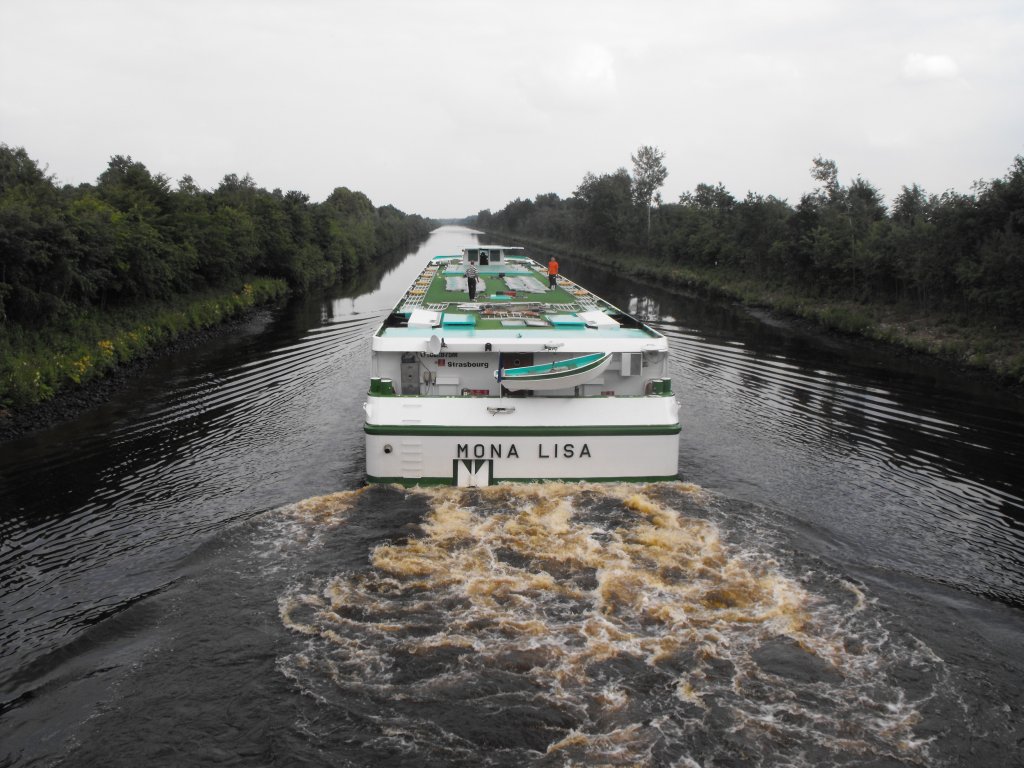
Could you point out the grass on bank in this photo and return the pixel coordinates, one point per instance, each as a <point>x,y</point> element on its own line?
<point>965,341</point>
<point>35,365</point>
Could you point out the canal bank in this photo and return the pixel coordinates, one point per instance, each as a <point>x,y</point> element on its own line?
<point>969,345</point>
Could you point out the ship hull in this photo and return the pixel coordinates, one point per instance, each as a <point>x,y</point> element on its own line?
<point>480,441</point>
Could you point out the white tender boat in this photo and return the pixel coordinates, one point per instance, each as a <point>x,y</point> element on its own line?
<point>558,374</point>
<point>525,382</point>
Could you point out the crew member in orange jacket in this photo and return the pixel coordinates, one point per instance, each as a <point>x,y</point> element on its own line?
<point>552,272</point>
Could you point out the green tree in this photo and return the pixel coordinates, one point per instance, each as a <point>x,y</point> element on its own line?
<point>711,236</point>
<point>132,189</point>
<point>605,205</point>
<point>94,225</point>
<point>649,174</point>
<point>130,238</point>
<point>910,205</point>
<point>760,227</point>
<point>827,172</point>
<point>36,269</point>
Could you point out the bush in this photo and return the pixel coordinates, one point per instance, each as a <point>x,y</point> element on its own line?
<point>35,366</point>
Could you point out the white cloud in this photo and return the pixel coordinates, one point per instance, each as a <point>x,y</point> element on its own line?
<point>591,68</point>
<point>768,68</point>
<point>448,107</point>
<point>920,66</point>
<point>579,76</point>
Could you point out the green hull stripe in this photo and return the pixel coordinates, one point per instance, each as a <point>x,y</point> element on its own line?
<point>424,429</point>
<point>411,481</point>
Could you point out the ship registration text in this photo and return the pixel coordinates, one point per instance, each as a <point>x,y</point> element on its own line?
<point>500,451</point>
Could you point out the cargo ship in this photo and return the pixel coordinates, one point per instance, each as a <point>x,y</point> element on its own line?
<point>492,368</point>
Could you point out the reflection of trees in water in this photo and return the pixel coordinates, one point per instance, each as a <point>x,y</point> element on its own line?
<point>646,308</point>
<point>368,280</point>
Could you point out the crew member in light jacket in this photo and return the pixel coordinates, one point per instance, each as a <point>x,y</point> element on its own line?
<point>471,275</point>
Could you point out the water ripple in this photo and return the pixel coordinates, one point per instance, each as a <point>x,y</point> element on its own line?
<point>163,475</point>
<point>904,469</point>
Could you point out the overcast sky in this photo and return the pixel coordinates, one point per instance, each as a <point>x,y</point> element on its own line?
<point>445,107</point>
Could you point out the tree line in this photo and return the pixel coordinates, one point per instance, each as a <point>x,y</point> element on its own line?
<point>952,251</point>
<point>131,238</point>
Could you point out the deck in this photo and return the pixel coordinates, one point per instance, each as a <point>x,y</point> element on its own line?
<point>512,298</point>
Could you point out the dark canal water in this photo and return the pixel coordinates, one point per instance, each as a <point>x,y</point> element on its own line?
<point>194,574</point>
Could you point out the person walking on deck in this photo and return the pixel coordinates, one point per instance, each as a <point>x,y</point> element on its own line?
<point>471,275</point>
<point>552,272</point>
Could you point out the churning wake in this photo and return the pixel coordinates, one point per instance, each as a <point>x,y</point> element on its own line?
<point>594,624</point>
